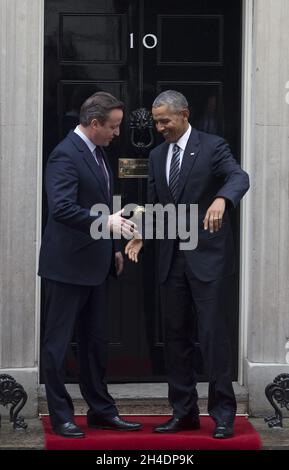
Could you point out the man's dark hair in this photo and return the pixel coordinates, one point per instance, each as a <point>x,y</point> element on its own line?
<point>98,106</point>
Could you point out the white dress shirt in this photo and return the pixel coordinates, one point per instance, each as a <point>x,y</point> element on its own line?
<point>182,142</point>
<point>88,142</point>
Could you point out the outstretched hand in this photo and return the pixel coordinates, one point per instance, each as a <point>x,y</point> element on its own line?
<point>121,226</point>
<point>214,215</point>
<point>133,248</point>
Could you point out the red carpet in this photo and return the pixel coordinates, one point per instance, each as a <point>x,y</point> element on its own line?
<point>246,438</point>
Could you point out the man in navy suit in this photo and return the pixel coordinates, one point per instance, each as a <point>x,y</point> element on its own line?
<point>75,266</point>
<point>193,167</point>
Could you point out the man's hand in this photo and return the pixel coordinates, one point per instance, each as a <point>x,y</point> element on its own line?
<point>133,248</point>
<point>120,225</point>
<point>118,262</point>
<point>214,215</point>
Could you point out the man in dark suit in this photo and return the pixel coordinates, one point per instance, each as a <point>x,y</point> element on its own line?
<point>75,266</point>
<point>193,167</point>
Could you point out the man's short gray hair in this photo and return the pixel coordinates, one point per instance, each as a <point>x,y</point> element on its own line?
<point>174,99</point>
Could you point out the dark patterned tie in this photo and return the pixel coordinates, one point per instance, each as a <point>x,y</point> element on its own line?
<point>100,161</point>
<point>175,171</point>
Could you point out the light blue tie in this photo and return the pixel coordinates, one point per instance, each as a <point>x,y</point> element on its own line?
<point>175,171</point>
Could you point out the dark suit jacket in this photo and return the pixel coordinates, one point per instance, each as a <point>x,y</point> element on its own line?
<point>74,183</point>
<point>208,171</point>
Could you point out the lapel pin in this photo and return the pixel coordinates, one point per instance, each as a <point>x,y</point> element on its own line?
<point>193,153</point>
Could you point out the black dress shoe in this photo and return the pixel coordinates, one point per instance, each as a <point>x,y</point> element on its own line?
<point>223,430</point>
<point>179,424</point>
<point>115,424</point>
<point>69,429</point>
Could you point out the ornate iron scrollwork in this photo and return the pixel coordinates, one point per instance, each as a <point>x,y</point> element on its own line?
<point>141,125</point>
<point>13,393</point>
<point>277,391</point>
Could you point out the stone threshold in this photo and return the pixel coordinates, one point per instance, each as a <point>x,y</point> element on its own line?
<point>143,398</point>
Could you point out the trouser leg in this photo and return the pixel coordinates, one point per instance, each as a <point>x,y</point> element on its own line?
<point>93,346</point>
<point>210,304</point>
<point>62,303</point>
<point>179,347</point>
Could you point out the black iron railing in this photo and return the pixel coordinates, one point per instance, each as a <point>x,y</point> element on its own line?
<point>277,393</point>
<point>12,393</point>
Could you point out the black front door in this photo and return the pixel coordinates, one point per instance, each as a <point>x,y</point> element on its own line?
<point>134,49</point>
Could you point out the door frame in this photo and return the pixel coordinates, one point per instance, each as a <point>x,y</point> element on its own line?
<point>38,236</point>
<point>246,153</point>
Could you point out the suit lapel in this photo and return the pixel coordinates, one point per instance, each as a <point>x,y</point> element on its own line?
<point>90,161</point>
<point>190,154</point>
<point>163,172</point>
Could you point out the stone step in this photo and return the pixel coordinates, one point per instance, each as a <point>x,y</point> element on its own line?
<point>144,399</point>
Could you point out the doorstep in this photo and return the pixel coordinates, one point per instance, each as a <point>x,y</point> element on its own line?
<point>144,398</point>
